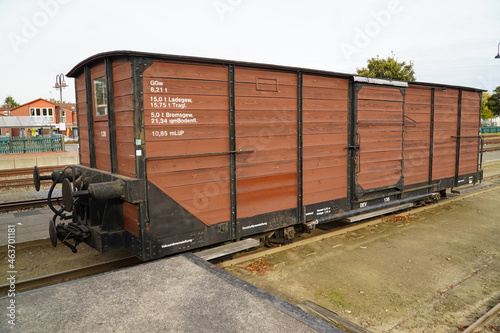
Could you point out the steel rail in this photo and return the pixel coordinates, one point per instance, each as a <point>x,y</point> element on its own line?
<point>6,206</point>
<point>19,182</point>
<point>27,171</point>
<point>77,273</point>
<point>484,320</point>
<point>491,149</point>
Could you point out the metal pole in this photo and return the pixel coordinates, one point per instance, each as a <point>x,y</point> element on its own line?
<point>60,103</point>
<point>61,113</point>
<point>60,83</point>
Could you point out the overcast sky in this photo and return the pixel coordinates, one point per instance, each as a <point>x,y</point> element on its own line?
<point>449,41</point>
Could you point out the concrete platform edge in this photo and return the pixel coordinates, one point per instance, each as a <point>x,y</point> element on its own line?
<point>282,306</point>
<point>29,162</point>
<point>272,300</point>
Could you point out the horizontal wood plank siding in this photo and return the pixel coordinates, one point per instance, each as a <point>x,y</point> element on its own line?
<point>124,117</point>
<point>83,128</point>
<point>469,131</point>
<point>266,122</point>
<point>101,129</point>
<point>445,128</point>
<point>186,113</point>
<point>417,135</point>
<point>380,136</point>
<point>325,138</point>
<point>130,218</point>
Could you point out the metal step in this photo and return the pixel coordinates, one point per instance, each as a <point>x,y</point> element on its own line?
<point>378,212</point>
<point>228,249</point>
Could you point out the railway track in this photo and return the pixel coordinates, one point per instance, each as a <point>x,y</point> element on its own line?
<point>31,203</point>
<point>486,149</point>
<point>27,171</point>
<point>491,143</point>
<point>346,228</point>
<point>78,273</point>
<point>20,182</point>
<point>259,252</point>
<point>484,320</point>
<point>8,182</point>
<point>48,280</point>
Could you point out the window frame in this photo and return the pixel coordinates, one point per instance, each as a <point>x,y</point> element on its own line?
<point>39,112</point>
<point>104,103</point>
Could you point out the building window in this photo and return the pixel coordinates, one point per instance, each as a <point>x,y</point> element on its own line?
<point>63,116</point>
<point>101,97</point>
<point>36,112</point>
<point>42,112</point>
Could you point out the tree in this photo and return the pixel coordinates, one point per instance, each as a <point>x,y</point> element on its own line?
<point>13,103</point>
<point>58,101</point>
<point>493,102</point>
<point>485,110</point>
<point>389,68</point>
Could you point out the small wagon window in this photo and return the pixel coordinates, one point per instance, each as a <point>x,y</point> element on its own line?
<point>101,97</point>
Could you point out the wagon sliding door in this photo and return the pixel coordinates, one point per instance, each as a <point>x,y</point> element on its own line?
<point>378,129</point>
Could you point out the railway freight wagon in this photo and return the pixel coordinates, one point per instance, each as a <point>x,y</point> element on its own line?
<point>179,153</point>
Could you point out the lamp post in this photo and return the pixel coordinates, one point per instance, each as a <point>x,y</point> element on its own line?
<point>60,84</point>
<point>498,53</point>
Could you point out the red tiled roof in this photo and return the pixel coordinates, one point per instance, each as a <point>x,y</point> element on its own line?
<point>32,102</point>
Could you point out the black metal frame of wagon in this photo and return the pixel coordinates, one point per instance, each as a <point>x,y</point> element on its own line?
<point>95,198</point>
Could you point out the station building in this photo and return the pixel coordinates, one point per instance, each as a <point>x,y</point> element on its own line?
<point>39,117</point>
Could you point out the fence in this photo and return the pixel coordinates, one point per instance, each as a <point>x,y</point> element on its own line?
<point>9,145</point>
<point>490,130</point>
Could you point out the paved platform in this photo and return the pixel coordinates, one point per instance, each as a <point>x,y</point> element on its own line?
<point>178,294</point>
<point>31,225</point>
<point>29,160</point>
<point>491,156</point>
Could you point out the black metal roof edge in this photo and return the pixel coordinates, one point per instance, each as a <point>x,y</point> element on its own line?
<point>79,67</point>
<point>442,85</point>
<point>75,70</point>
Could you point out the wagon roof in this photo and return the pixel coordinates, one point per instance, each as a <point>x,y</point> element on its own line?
<point>75,71</point>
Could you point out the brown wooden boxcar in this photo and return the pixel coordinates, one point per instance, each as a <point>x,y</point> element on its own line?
<point>179,153</point>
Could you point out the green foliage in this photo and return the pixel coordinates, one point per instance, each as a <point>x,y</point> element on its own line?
<point>485,110</point>
<point>493,102</point>
<point>13,103</point>
<point>389,68</point>
<point>58,101</point>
